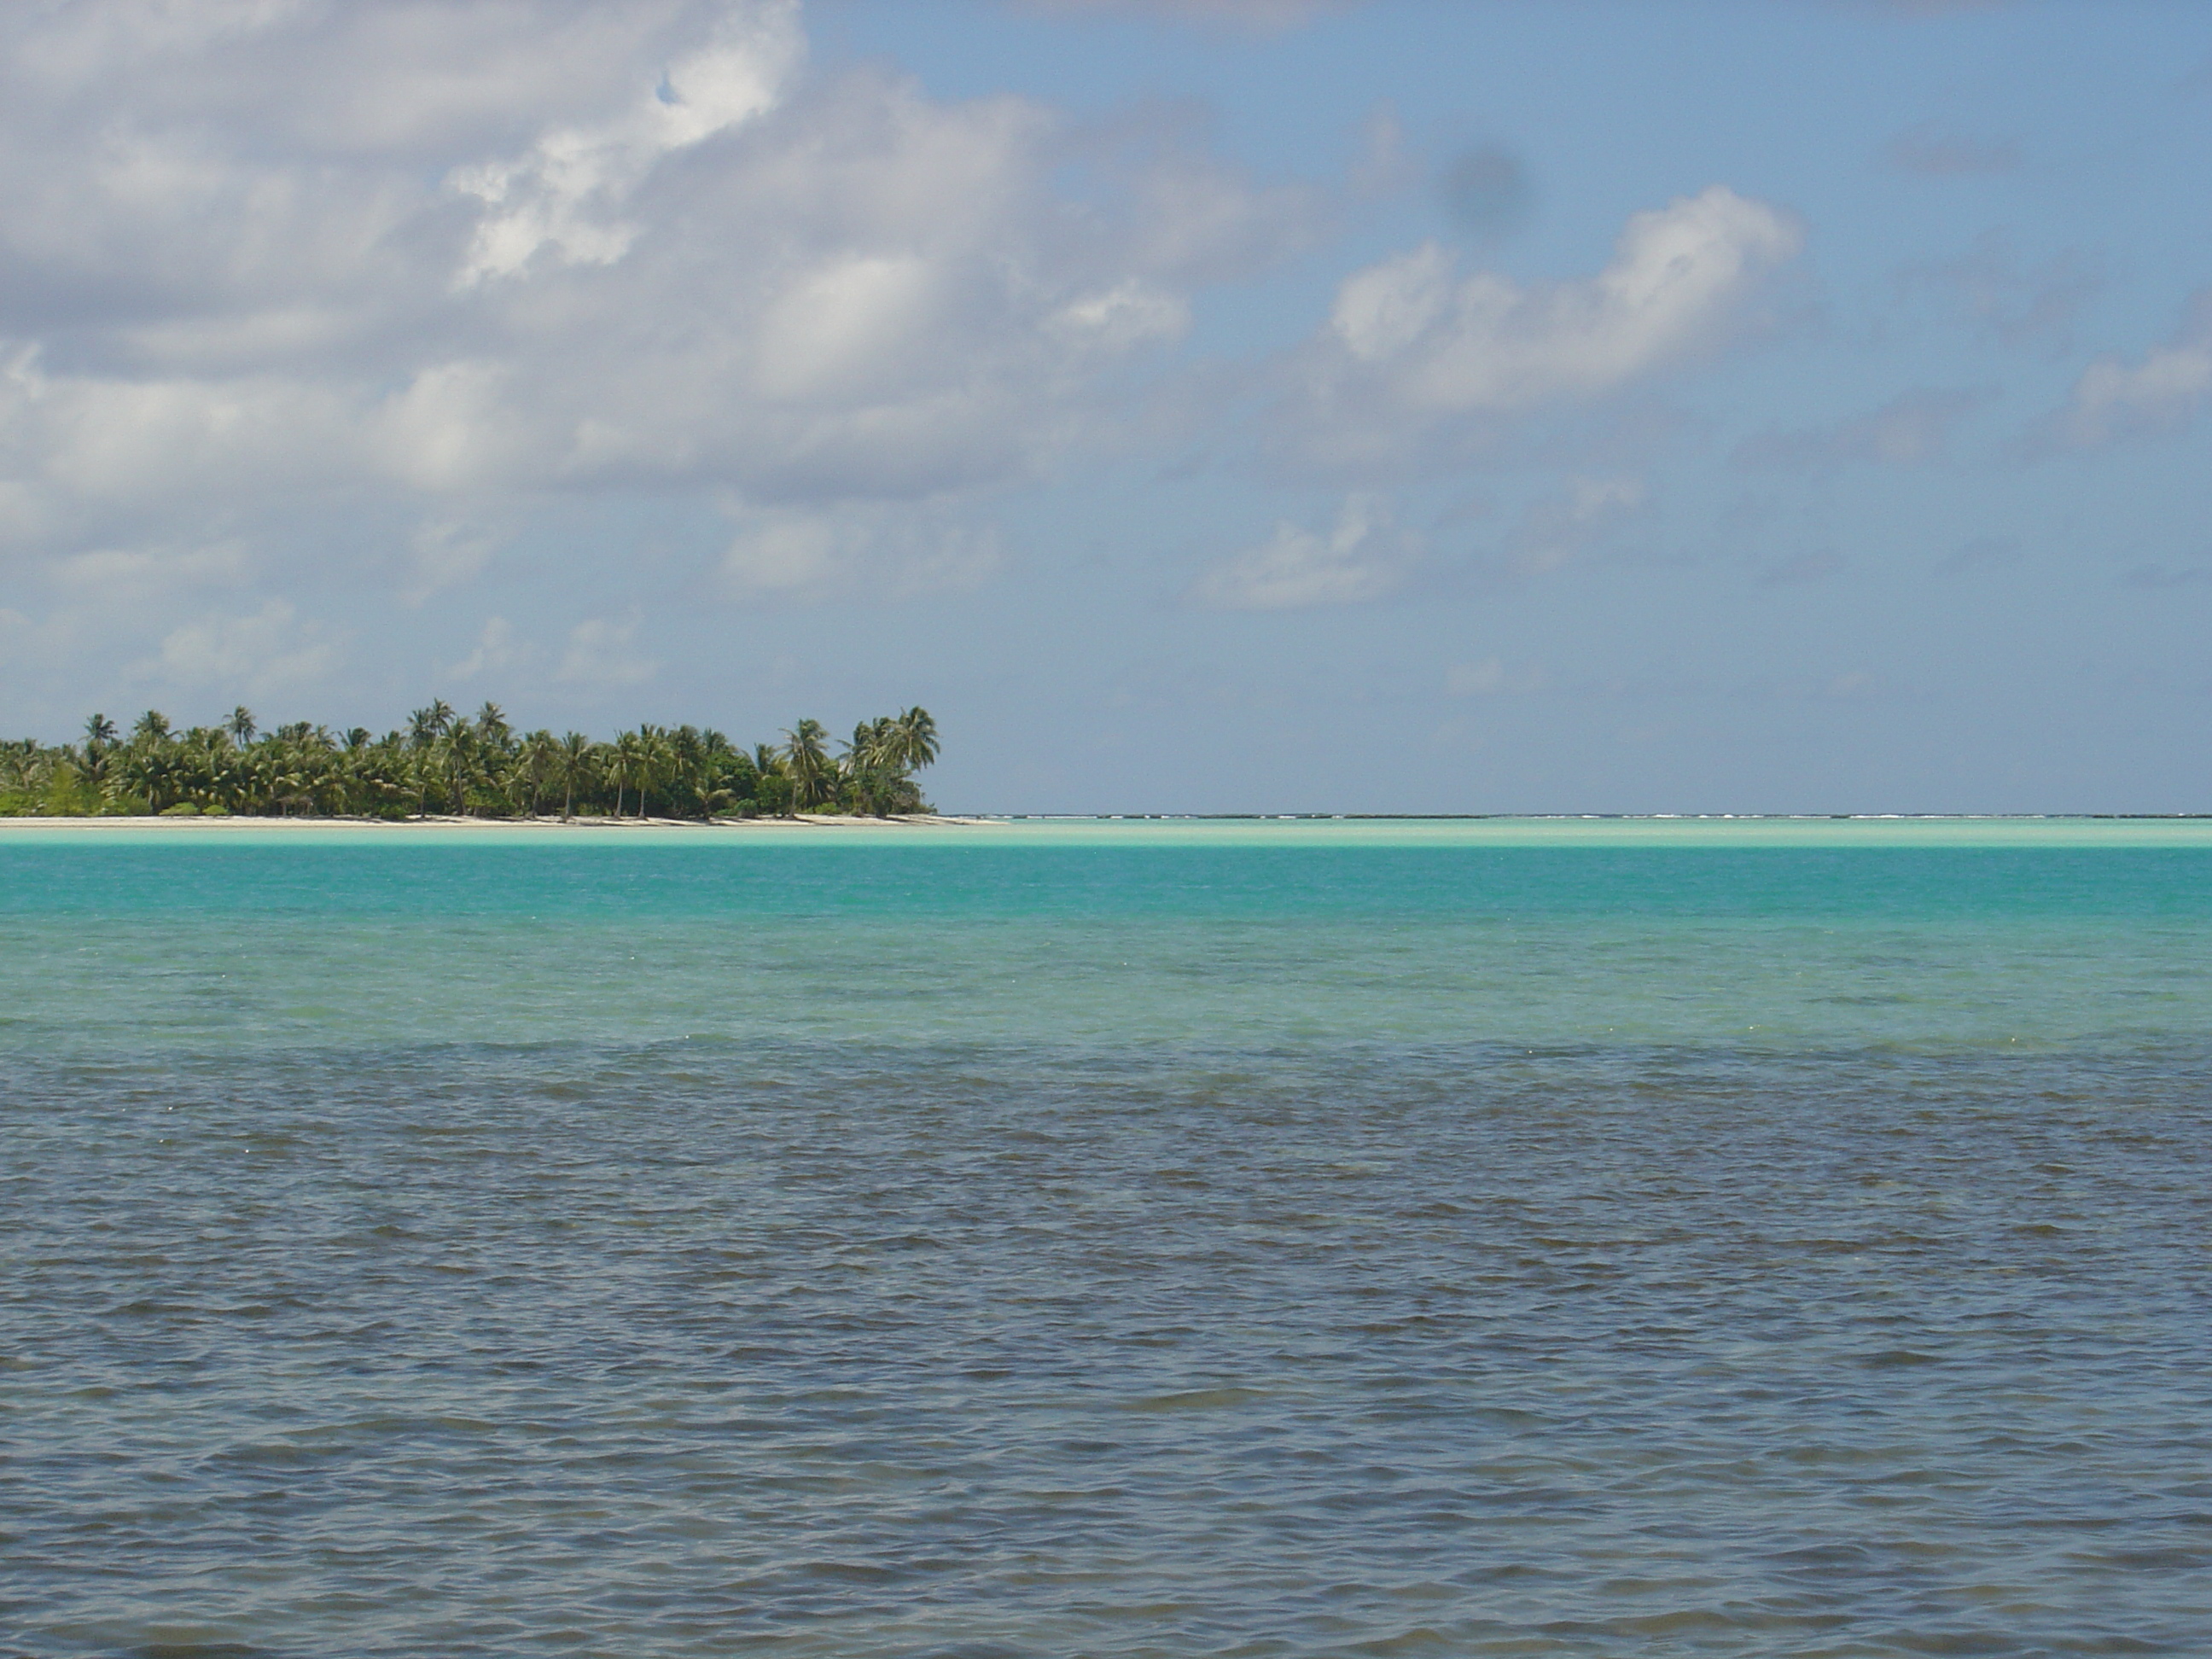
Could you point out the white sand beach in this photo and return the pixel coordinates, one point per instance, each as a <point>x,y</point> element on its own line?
<point>214,826</point>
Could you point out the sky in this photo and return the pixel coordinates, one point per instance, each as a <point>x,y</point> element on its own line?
<point>1199,406</point>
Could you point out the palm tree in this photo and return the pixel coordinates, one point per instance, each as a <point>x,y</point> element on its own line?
<point>92,764</point>
<point>248,779</point>
<point>663,762</point>
<point>462,747</point>
<point>866,759</point>
<point>147,770</point>
<point>539,750</point>
<point>420,773</point>
<point>915,738</point>
<point>629,756</point>
<point>718,761</point>
<point>380,774</point>
<point>572,764</point>
<point>687,770</point>
<point>474,765</point>
<point>771,779</point>
<point>807,761</point>
<point>426,725</point>
<point>323,766</point>
<point>647,772</point>
<point>289,781</point>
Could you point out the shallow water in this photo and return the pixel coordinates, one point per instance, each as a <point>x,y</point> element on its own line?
<point>1107,1240</point>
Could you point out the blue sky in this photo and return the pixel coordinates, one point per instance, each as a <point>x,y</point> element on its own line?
<point>1231,404</point>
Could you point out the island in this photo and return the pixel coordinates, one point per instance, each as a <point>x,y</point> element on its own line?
<point>448,765</point>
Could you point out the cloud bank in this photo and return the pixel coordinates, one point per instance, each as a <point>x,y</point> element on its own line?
<point>286,287</point>
<point>441,257</point>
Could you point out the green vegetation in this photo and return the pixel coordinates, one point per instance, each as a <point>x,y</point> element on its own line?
<point>443,763</point>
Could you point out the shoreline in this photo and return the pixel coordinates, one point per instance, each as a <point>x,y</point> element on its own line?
<point>447,822</point>
<point>1010,820</point>
<point>2085,832</point>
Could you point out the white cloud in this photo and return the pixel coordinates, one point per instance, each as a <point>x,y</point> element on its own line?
<point>850,328</point>
<point>1361,557</point>
<point>271,649</point>
<point>496,648</point>
<point>602,654</point>
<point>454,425</point>
<point>445,552</point>
<point>439,262</point>
<point>568,191</point>
<point>113,438</point>
<point>2114,398</point>
<point>861,550</point>
<point>1449,344</point>
<point>119,578</point>
<point>167,614</point>
<point>1131,314</point>
<point>26,516</point>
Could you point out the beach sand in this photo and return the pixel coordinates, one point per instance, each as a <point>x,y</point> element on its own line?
<point>219,825</point>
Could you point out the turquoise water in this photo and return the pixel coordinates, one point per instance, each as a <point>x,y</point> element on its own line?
<point>1565,1238</point>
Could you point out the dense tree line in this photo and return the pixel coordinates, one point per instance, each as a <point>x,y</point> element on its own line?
<point>444,762</point>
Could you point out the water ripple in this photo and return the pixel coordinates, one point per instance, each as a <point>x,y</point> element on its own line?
<point>857,1349</point>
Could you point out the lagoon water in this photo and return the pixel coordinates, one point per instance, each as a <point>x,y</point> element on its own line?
<point>1107,1239</point>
